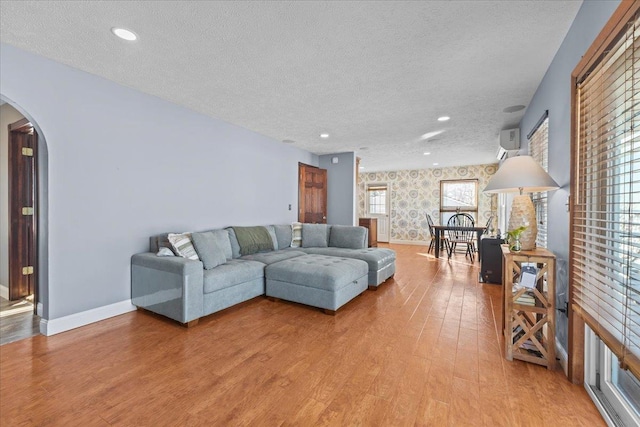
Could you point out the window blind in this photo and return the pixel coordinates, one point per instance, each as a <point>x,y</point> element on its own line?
<point>539,150</point>
<point>606,210</point>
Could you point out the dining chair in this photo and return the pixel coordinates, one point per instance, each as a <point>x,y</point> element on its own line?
<point>432,233</point>
<point>459,236</point>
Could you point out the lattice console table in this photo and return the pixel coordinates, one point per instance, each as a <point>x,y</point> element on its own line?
<point>529,313</point>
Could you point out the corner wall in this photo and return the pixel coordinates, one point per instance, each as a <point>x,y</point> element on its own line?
<point>554,94</point>
<point>123,165</point>
<point>341,188</point>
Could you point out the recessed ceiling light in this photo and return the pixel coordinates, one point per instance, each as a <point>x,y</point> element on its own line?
<point>513,109</point>
<point>427,153</point>
<point>124,34</point>
<point>431,134</point>
<point>361,167</point>
<point>436,164</point>
<point>324,135</point>
<point>443,118</point>
<point>364,148</point>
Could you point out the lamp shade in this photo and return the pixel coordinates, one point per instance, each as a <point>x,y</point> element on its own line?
<point>524,175</point>
<point>520,173</point>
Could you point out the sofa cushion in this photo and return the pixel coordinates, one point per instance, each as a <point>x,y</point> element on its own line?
<point>223,240</point>
<point>315,235</point>
<point>317,271</point>
<point>183,246</point>
<point>272,234</point>
<point>208,249</point>
<point>284,235</point>
<point>222,237</point>
<point>346,236</point>
<point>233,241</point>
<point>296,235</point>
<point>232,273</point>
<point>377,258</point>
<point>274,256</point>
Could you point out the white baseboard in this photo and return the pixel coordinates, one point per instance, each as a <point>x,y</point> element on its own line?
<point>76,320</point>
<point>410,242</point>
<point>4,292</point>
<point>564,358</point>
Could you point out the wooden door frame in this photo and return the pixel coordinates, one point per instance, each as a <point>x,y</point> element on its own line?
<point>301,186</point>
<point>23,126</point>
<point>387,207</point>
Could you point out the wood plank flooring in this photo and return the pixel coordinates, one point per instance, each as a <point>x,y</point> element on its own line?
<point>17,320</point>
<point>424,350</point>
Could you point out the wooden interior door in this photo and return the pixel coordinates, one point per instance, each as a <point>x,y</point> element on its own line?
<point>22,150</point>
<point>312,194</point>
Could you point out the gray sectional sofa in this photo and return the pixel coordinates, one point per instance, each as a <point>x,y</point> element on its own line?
<point>326,268</point>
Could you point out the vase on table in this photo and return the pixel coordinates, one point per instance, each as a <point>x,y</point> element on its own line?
<point>515,246</point>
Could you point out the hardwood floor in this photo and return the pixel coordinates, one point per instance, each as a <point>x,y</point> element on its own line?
<point>424,349</point>
<point>17,320</point>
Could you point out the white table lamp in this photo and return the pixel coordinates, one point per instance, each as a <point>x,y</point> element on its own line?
<point>524,175</point>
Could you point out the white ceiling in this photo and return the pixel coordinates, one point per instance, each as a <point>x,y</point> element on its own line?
<point>374,75</point>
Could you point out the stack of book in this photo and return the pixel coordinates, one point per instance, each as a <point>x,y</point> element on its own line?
<point>527,298</point>
<point>528,345</point>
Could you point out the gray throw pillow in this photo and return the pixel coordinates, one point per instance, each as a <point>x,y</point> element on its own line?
<point>233,241</point>
<point>272,234</point>
<point>347,236</point>
<point>315,235</point>
<point>210,253</point>
<point>283,235</point>
<point>222,239</point>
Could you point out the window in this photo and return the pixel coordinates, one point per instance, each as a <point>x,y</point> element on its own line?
<point>607,382</point>
<point>458,196</point>
<point>605,220</point>
<point>539,150</point>
<point>377,197</point>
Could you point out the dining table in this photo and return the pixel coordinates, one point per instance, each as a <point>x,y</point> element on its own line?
<point>439,229</point>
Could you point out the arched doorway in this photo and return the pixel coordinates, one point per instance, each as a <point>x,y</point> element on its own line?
<point>23,255</point>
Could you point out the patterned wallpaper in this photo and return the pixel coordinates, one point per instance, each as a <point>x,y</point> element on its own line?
<point>417,192</point>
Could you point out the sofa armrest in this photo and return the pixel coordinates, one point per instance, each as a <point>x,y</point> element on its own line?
<point>171,286</point>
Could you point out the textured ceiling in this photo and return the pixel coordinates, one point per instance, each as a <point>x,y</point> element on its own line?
<point>374,75</point>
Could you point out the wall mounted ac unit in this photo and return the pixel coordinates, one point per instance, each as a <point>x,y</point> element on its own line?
<point>510,139</point>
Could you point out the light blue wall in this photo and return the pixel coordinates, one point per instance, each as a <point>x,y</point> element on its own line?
<point>123,165</point>
<point>554,94</point>
<point>341,188</point>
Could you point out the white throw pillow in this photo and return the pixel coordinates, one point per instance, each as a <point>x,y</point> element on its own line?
<point>183,246</point>
<point>296,231</point>
<point>165,252</point>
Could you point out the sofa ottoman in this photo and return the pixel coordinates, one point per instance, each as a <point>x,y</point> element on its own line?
<point>381,262</point>
<point>326,282</point>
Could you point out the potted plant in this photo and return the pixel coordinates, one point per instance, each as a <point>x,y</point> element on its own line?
<point>513,238</point>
